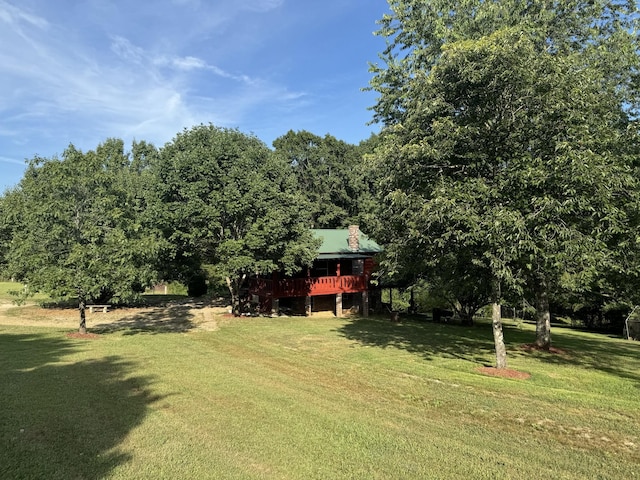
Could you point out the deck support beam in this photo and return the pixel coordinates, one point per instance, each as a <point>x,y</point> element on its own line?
<point>365,303</point>
<point>307,306</point>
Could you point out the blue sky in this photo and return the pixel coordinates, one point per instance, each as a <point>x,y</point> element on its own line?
<point>80,72</point>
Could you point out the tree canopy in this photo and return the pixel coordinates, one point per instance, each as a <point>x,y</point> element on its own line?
<point>223,198</point>
<point>76,228</point>
<point>327,172</point>
<point>510,141</point>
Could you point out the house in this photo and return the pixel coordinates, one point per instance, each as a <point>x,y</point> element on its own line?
<point>338,280</point>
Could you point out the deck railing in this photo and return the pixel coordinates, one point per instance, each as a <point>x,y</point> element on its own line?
<point>307,287</point>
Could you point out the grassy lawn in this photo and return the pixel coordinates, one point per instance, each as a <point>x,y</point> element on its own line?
<point>176,292</point>
<point>7,287</point>
<point>315,398</point>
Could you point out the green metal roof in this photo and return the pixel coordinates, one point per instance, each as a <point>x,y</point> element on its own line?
<point>335,243</point>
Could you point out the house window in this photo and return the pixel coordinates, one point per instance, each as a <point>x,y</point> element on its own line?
<point>320,268</point>
<point>358,267</point>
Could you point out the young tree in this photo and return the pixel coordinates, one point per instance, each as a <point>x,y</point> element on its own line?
<point>510,133</point>
<point>223,198</point>
<point>76,230</point>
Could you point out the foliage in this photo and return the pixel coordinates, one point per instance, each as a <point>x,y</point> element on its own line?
<point>78,228</point>
<point>510,141</point>
<point>327,172</point>
<point>5,234</point>
<point>223,198</point>
<point>455,283</point>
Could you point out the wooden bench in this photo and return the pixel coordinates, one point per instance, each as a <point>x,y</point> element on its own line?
<point>105,308</point>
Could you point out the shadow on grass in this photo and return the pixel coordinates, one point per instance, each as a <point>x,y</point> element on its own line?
<point>65,420</point>
<point>473,344</point>
<point>147,300</point>
<point>170,319</point>
<point>595,351</point>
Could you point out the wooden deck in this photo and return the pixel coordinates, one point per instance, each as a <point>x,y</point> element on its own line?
<point>308,287</point>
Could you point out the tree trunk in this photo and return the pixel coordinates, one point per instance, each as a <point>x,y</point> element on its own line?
<point>466,314</point>
<point>235,297</point>
<point>543,316</point>
<point>83,318</point>
<point>235,289</point>
<point>498,336</point>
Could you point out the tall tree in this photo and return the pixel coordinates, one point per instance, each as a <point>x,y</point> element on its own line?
<point>5,230</point>
<point>225,199</point>
<point>326,170</point>
<point>76,230</point>
<point>510,131</point>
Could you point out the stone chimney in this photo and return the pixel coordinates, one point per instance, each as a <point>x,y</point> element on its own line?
<point>354,238</point>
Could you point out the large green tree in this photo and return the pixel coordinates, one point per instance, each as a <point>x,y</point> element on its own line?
<point>510,132</point>
<point>5,231</point>
<point>327,172</point>
<point>78,229</point>
<point>224,199</point>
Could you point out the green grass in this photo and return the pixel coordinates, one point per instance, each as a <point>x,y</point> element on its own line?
<point>6,289</point>
<point>176,292</point>
<point>316,398</point>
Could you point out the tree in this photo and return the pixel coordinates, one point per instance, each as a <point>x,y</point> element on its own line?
<point>458,282</point>
<point>5,231</point>
<point>510,134</point>
<point>77,232</point>
<point>326,170</point>
<point>223,198</point>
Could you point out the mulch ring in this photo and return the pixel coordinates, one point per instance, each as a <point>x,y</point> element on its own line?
<point>83,336</point>
<point>532,347</point>
<point>504,373</point>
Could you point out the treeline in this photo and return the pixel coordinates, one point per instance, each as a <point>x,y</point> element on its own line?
<point>218,205</point>
<point>105,224</point>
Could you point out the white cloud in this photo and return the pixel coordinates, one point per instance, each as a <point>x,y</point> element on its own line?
<point>13,15</point>
<point>62,82</point>
<point>188,63</point>
<point>51,77</point>
<point>13,161</point>
<point>126,50</point>
<point>263,5</point>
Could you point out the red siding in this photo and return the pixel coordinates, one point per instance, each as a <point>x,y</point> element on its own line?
<point>308,287</point>
<point>313,286</point>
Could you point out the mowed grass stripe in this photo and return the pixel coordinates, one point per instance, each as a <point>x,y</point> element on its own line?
<point>316,398</point>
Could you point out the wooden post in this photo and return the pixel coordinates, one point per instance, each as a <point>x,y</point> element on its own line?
<point>307,306</point>
<point>338,304</point>
<point>365,303</point>
<point>275,306</point>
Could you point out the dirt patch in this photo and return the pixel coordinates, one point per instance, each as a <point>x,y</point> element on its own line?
<point>504,373</point>
<point>175,317</point>
<point>84,336</point>
<point>532,347</point>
